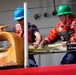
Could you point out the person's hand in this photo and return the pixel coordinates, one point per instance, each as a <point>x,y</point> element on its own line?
<point>43,42</point>
<point>35,44</point>
<point>64,43</point>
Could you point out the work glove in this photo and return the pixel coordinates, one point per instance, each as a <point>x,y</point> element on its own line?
<point>43,43</point>
<point>70,45</point>
<point>35,44</point>
<point>64,43</point>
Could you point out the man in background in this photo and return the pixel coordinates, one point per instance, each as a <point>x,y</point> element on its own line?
<point>34,36</point>
<point>64,30</point>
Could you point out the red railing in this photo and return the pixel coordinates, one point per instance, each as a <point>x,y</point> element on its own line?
<point>46,70</point>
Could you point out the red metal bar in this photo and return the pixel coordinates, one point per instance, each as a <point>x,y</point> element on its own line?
<point>46,70</point>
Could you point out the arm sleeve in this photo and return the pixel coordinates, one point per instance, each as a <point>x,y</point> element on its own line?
<point>73,38</point>
<point>52,35</point>
<point>35,29</point>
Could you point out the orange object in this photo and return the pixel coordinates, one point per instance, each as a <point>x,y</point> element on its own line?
<point>14,53</point>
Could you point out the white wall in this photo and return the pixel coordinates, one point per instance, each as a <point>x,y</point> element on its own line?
<point>6,17</point>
